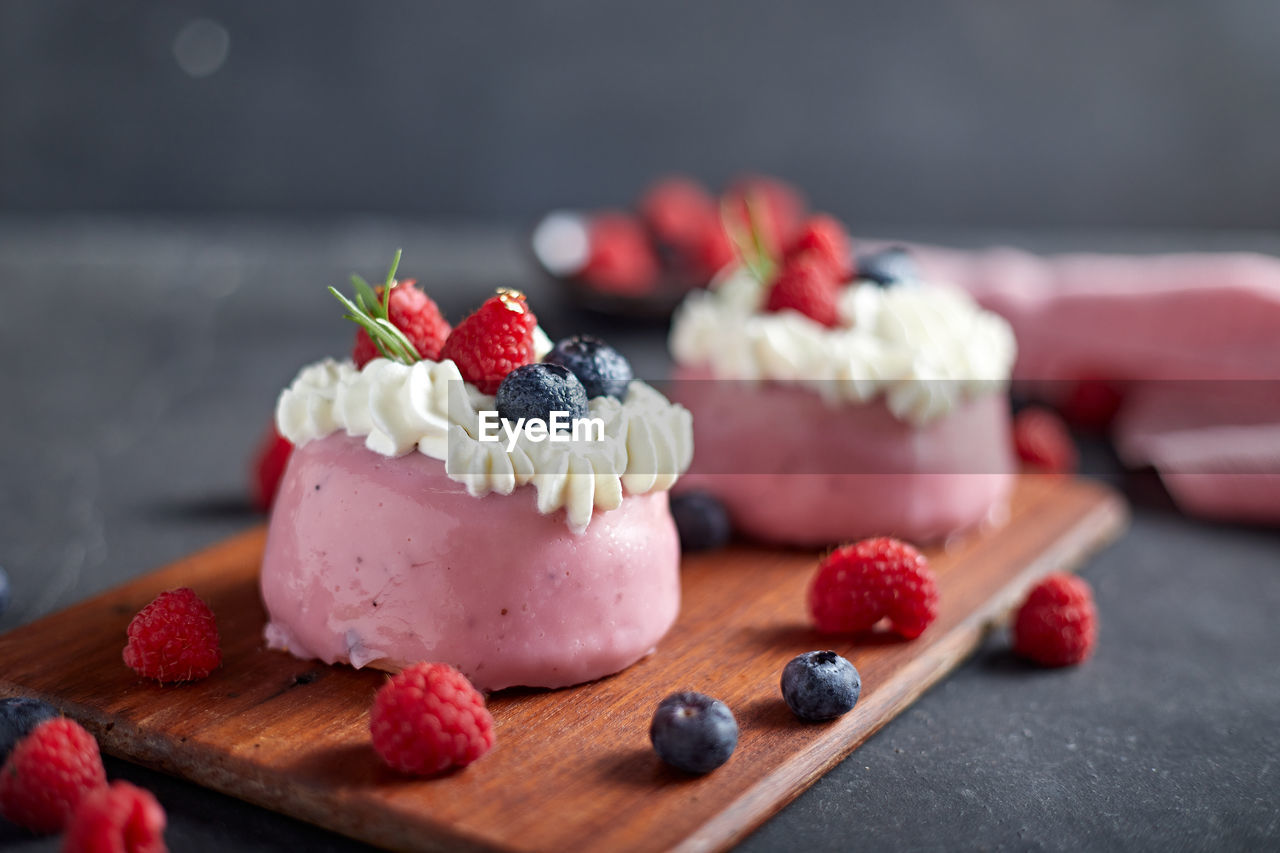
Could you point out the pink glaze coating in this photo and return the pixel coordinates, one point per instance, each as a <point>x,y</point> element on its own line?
<point>794,469</point>
<point>386,561</point>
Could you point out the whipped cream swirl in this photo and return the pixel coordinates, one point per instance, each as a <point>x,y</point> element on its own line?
<point>428,407</point>
<point>925,347</point>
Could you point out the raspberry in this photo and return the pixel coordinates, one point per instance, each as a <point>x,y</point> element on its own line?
<point>174,638</point>
<point>48,773</point>
<point>678,211</point>
<point>268,467</point>
<point>858,585</point>
<point>1041,439</point>
<point>778,206</point>
<point>713,252</point>
<point>824,236</point>
<point>121,818</point>
<point>429,718</point>
<point>620,259</point>
<point>1057,625</point>
<point>493,341</point>
<point>806,284</point>
<point>412,312</point>
<point>1092,404</point>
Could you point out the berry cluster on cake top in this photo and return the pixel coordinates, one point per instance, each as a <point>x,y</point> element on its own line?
<point>414,382</point>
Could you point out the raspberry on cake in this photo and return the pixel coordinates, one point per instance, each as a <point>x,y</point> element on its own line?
<point>493,341</point>
<point>47,775</point>
<point>428,718</point>
<point>412,312</point>
<point>858,585</point>
<point>806,284</point>
<point>174,638</point>
<point>827,410</point>
<point>520,562</point>
<point>826,238</point>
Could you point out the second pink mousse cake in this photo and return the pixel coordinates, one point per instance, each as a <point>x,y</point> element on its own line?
<point>893,422</point>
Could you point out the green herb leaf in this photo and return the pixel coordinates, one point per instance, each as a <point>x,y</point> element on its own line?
<point>372,314</point>
<point>748,238</point>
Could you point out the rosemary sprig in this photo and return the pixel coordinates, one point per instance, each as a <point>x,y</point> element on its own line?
<point>749,242</point>
<point>370,313</point>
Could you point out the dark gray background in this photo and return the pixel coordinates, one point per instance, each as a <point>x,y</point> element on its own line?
<point>142,354</point>
<point>956,112</point>
<point>141,365</point>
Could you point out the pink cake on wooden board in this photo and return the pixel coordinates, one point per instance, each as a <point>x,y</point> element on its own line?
<point>400,534</point>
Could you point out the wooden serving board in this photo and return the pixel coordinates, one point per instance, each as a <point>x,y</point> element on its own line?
<point>572,769</point>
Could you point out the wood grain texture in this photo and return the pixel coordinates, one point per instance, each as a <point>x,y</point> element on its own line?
<point>573,768</point>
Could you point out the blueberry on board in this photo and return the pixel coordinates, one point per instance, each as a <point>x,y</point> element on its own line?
<point>701,520</point>
<point>888,266</point>
<point>537,390</point>
<point>693,732</point>
<point>820,686</point>
<point>601,369</point>
<point>18,717</point>
<point>4,591</point>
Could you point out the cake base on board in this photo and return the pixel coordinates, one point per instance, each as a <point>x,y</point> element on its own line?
<point>572,768</point>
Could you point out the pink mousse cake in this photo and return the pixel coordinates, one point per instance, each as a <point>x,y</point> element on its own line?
<point>399,536</point>
<point>892,421</point>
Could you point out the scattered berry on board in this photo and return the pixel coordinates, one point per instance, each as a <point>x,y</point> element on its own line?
<point>174,638</point>
<point>268,467</point>
<point>806,284</point>
<point>701,520</point>
<point>537,390</point>
<point>493,341</point>
<point>820,686</point>
<point>858,585</point>
<point>1057,624</point>
<point>887,266</point>
<point>18,718</point>
<point>116,818</point>
<point>693,732</point>
<point>1042,441</point>
<point>5,592</point>
<point>428,718</point>
<point>602,370</point>
<point>47,775</point>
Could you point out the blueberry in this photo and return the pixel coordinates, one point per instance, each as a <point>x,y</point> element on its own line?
<point>603,371</point>
<point>702,521</point>
<point>537,390</point>
<point>693,732</point>
<point>888,266</point>
<point>4,590</point>
<point>17,719</point>
<point>820,686</point>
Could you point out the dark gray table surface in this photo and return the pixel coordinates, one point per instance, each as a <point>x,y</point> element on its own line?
<point>141,363</point>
